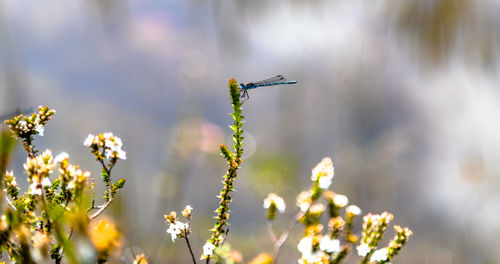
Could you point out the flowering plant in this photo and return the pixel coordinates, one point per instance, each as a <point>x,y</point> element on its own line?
<point>57,216</point>
<point>59,204</point>
<point>318,244</point>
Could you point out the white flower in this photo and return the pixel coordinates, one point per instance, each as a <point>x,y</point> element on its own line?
<point>329,245</point>
<point>304,206</point>
<point>305,246</point>
<point>379,255</point>
<point>276,200</point>
<point>353,209</point>
<point>267,203</point>
<point>61,157</point>
<point>280,204</point>
<point>108,153</point>
<point>323,173</point>
<point>325,182</point>
<point>109,143</point>
<point>39,129</point>
<point>315,258</point>
<point>363,249</point>
<point>23,126</point>
<point>113,147</point>
<point>88,141</point>
<point>46,182</point>
<point>175,229</point>
<point>107,135</point>
<point>35,189</point>
<point>118,142</point>
<point>208,249</point>
<point>340,200</point>
<point>120,154</point>
<point>304,200</point>
<point>187,211</point>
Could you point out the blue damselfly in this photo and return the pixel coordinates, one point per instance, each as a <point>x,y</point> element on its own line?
<point>277,80</point>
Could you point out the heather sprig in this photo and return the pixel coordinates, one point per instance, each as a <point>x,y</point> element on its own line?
<point>107,150</point>
<point>374,226</point>
<point>25,127</point>
<point>396,244</point>
<point>234,161</point>
<point>39,223</point>
<point>178,229</point>
<point>332,245</point>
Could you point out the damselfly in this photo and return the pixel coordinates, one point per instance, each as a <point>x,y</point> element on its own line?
<point>277,80</point>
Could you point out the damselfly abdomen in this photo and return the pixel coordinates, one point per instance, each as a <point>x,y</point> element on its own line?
<point>277,80</point>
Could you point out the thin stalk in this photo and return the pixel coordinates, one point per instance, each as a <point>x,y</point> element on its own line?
<point>279,243</point>
<point>190,249</point>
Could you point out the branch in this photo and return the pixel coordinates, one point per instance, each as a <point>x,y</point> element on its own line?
<point>9,202</point>
<point>270,231</point>
<point>101,208</point>
<point>279,243</point>
<point>190,249</point>
<point>110,196</point>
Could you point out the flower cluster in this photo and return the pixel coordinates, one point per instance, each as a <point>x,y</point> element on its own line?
<point>38,224</point>
<point>105,145</point>
<point>71,175</point>
<point>274,203</point>
<point>320,245</point>
<point>335,202</point>
<point>399,240</point>
<point>38,169</point>
<point>176,228</point>
<point>26,126</point>
<point>374,226</point>
<point>71,180</point>
<point>304,200</point>
<point>322,174</point>
<point>332,244</point>
<point>208,250</point>
<point>11,185</point>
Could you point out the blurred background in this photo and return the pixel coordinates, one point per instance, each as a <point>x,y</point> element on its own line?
<point>403,95</point>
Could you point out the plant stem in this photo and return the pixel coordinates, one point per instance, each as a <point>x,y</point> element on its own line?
<point>234,162</point>
<point>279,243</point>
<point>270,231</point>
<point>190,249</point>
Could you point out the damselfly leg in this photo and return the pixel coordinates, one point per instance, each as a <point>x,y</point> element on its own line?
<point>244,95</point>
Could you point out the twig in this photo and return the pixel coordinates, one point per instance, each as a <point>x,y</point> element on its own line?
<point>9,202</point>
<point>190,249</point>
<point>279,243</point>
<point>110,196</point>
<point>270,231</point>
<point>101,208</point>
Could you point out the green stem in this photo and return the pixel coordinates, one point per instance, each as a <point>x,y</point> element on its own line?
<point>234,162</point>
